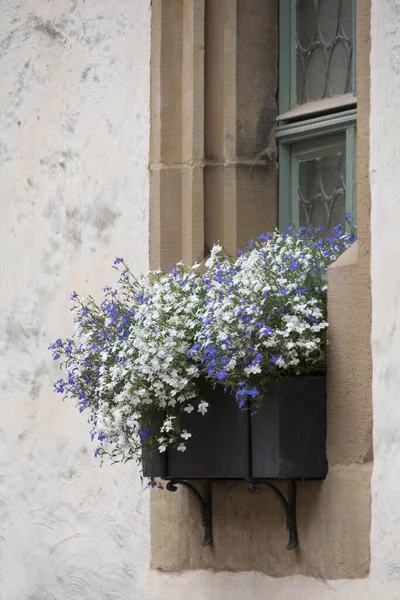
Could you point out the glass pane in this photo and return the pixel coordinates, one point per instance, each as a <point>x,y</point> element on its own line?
<point>324,48</point>
<point>338,74</point>
<point>316,71</point>
<point>322,190</point>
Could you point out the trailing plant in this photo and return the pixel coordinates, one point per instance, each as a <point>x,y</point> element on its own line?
<point>134,362</point>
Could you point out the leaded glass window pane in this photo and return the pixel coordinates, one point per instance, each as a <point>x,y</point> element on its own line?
<point>321,186</point>
<point>324,49</point>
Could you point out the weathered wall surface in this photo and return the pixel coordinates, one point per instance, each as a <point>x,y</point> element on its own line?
<point>74,123</point>
<point>385,186</point>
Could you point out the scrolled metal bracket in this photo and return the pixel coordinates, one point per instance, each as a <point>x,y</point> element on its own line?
<point>289,506</point>
<point>203,502</point>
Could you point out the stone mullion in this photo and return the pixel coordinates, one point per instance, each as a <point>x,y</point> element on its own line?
<point>176,141</point>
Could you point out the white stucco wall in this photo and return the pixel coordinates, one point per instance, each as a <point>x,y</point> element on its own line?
<point>385,275</point>
<point>74,129</point>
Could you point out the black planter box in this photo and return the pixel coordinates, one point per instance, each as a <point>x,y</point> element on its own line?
<point>285,439</point>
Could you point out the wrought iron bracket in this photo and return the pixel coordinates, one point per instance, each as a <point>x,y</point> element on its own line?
<point>289,506</point>
<point>204,503</point>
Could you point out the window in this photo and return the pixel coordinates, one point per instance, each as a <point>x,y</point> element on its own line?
<point>317,104</point>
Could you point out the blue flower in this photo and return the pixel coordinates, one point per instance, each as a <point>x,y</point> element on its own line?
<point>57,344</point>
<point>59,386</point>
<point>258,358</point>
<point>222,375</point>
<point>144,433</point>
<point>243,392</point>
<point>266,330</point>
<point>312,319</point>
<point>264,237</point>
<point>117,260</point>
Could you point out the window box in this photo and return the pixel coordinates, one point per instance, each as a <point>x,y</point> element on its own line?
<point>285,439</point>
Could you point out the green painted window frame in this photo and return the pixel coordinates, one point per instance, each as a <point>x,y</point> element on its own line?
<point>307,128</point>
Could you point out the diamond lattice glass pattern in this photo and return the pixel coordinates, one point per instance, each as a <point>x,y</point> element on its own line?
<point>322,191</point>
<point>324,49</point>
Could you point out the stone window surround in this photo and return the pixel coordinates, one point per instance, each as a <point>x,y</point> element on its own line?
<point>213,177</point>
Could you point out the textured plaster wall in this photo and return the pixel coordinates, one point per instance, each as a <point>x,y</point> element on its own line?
<point>74,120</point>
<point>385,188</point>
<point>74,131</point>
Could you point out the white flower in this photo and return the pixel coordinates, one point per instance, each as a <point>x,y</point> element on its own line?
<point>252,369</point>
<point>189,408</point>
<point>186,435</point>
<point>202,407</point>
<point>213,256</point>
<point>168,424</point>
<point>162,448</point>
<point>181,448</point>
